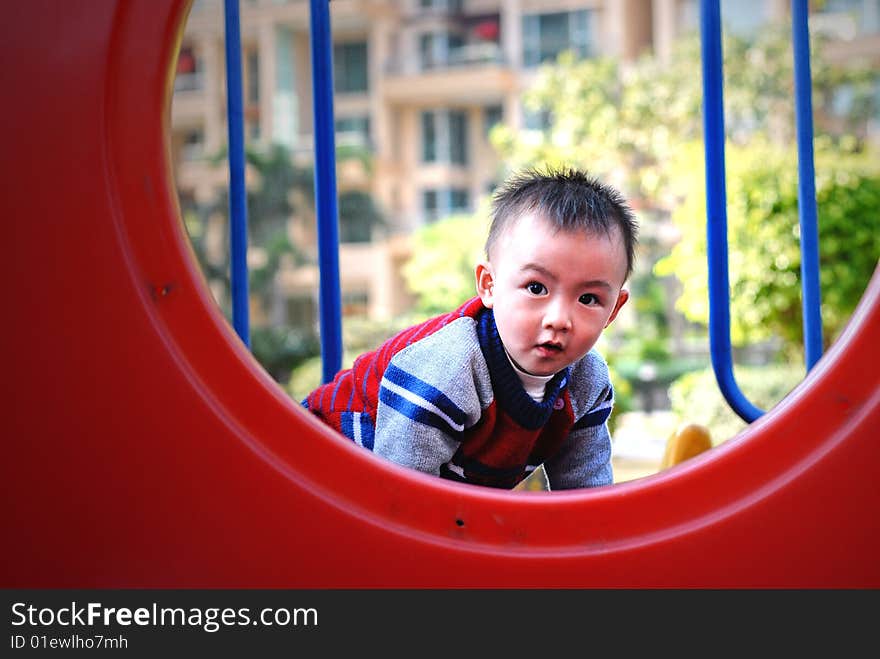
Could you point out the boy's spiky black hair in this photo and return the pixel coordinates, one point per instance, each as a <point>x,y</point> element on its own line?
<point>569,199</point>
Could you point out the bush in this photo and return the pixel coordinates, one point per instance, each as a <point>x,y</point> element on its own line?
<point>281,349</point>
<point>623,397</point>
<point>763,229</point>
<point>441,272</point>
<point>696,398</point>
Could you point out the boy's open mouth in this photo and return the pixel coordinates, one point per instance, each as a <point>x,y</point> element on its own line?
<point>555,347</point>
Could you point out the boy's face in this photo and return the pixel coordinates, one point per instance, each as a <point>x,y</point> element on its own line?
<point>552,292</point>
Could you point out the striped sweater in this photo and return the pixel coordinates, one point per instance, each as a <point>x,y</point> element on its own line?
<point>443,398</point>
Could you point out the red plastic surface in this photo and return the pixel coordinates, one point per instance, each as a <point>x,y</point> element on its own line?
<point>144,447</point>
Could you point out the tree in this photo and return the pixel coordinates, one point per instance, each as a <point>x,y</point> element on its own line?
<point>270,204</point>
<point>358,216</point>
<point>442,275</point>
<point>763,231</point>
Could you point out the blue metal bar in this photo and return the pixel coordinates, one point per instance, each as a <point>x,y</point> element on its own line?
<point>809,225</point>
<point>716,209</point>
<point>330,311</point>
<point>237,191</point>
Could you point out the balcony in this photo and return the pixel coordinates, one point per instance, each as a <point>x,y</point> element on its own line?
<point>474,71</point>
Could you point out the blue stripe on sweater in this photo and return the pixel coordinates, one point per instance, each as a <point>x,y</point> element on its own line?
<point>345,424</point>
<point>358,427</point>
<point>368,433</point>
<point>592,419</point>
<point>425,391</point>
<point>419,414</point>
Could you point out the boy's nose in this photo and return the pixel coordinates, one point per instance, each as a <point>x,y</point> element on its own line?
<point>557,317</point>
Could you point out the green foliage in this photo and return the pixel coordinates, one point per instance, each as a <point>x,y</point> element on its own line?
<point>280,350</point>
<point>623,397</point>
<point>441,275</point>
<point>270,201</point>
<point>357,217</point>
<point>346,152</point>
<point>764,247</point>
<point>696,398</point>
<point>849,224</point>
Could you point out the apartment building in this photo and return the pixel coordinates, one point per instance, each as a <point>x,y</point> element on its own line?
<point>418,84</point>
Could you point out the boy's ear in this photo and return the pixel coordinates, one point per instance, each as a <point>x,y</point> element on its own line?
<point>622,297</point>
<point>485,283</point>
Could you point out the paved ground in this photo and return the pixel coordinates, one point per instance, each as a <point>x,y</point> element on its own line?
<point>638,443</point>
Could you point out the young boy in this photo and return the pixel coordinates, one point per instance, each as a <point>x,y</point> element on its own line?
<point>509,380</point>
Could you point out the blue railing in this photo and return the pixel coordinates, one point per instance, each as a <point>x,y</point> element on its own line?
<point>330,296</point>
<point>325,183</point>
<point>238,272</point>
<point>809,223</point>
<point>716,201</point>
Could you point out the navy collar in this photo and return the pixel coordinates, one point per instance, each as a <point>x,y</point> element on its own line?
<point>506,385</point>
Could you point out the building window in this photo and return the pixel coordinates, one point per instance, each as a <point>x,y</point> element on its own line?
<point>430,205</point>
<point>355,303</point>
<point>458,138</point>
<point>438,49</point>
<point>429,137</point>
<point>537,126</point>
<point>458,200</point>
<point>350,67</point>
<point>440,5</point>
<point>540,120</point>
<point>745,17</point>
<point>849,101</point>
<point>444,136</point>
<point>253,129</point>
<point>545,36</point>
<point>253,77</point>
<point>358,214</point>
<point>193,144</point>
<point>741,17</point>
<point>854,16</point>
<point>437,204</point>
<point>189,71</point>
<point>353,131</point>
<point>492,116</point>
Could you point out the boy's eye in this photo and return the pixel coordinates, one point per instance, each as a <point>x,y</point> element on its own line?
<point>536,288</point>
<point>588,299</point>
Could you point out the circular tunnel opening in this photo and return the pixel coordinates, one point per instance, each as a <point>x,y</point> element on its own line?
<point>442,493</point>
